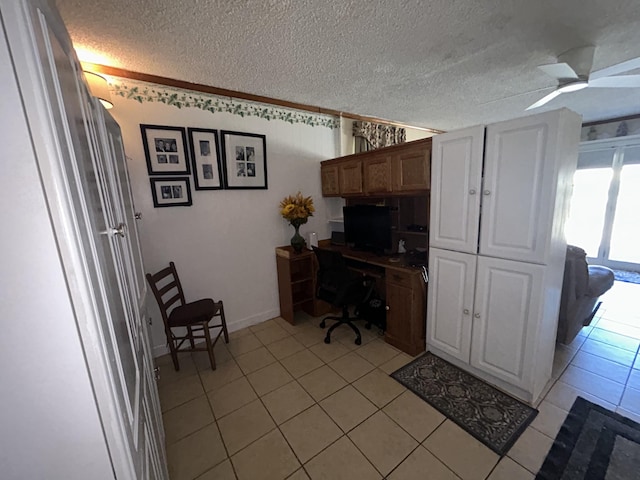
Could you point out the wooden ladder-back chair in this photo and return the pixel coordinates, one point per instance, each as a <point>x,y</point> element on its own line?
<point>194,317</point>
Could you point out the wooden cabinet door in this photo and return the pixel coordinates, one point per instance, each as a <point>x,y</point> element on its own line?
<point>455,193</point>
<point>330,180</point>
<point>350,175</point>
<point>519,190</point>
<point>450,302</point>
<point>377,173</point>
<point>506,319</point>
<point>405,311</point>
<point>411,168</point>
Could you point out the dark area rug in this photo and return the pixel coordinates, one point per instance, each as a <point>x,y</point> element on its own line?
<point>594,444</point>
<point>493,417</point>
<point>624,276</point>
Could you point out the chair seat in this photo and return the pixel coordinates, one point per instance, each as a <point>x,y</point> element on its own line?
<point>194,312</point>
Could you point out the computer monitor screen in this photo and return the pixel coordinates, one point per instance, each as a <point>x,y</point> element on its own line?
<point>368,227</point>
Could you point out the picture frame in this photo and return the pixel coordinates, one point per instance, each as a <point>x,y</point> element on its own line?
<point>165,149</point>
<point>205,158</point>
<point>245,160</point>
<point>171,192</point>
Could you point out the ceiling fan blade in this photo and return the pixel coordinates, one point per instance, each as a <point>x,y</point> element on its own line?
<point>559,70</point>
<point>515,95</point>
<point>622,81</point>
<point>616,69</point>
<point>544,100</point>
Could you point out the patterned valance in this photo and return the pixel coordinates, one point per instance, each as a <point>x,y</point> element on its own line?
<point>374,135</point>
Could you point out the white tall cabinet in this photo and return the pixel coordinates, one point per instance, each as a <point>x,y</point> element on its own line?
<point>499,200</point>
<point>79,397</point>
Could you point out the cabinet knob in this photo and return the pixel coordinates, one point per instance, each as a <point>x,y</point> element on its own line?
<point>387,308</point>
<point>487,192</point>
<point>466,311</point>
<point>472,192</point>
<point>156,373</point>
<point>477,315</point>
<point>138,215</point>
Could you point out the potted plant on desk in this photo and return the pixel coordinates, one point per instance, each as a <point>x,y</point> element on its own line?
<point>296,209</point>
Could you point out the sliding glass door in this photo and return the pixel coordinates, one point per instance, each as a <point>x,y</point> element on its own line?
<point>605,207</point>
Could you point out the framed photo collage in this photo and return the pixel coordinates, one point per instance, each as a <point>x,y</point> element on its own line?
<point>173,154</point>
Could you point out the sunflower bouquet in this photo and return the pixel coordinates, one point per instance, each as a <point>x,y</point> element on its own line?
<point>296,209</point>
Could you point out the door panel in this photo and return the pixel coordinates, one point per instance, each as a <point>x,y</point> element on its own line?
<point>456,168</point>
<point>377,174</point>
<point>518,189</point>
<point>350,176</point>
<point>506,317</point>
<point>89,184</point>
<point>411,169</point>
<point>83,182</point>
<point>450,303</point>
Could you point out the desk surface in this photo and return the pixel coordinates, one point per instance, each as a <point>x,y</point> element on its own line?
<point>385,261</point>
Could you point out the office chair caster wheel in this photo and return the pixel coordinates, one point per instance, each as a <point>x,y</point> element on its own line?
<point>358,341</point>
<point>323,325</point>
<point>327,340</point>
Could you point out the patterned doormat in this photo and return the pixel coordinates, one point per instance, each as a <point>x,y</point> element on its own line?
<point>594,443</point>
<point>492,417</point>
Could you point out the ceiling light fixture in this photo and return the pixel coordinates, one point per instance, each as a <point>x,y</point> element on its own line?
<point>99,88</point>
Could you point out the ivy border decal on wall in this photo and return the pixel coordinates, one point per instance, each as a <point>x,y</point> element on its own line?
<point>145,92</point>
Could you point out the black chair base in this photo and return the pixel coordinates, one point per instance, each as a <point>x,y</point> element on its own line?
<point>345,319</point>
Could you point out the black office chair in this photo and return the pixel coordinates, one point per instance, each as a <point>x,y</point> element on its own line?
<point>340,287</point>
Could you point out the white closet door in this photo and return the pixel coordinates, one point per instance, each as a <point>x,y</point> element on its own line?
<point>519,188</point>
<point>450,304</point>
<point>506,317</point>
<point>456,170</point>
<point>79,179</point>
<point>131,278</point>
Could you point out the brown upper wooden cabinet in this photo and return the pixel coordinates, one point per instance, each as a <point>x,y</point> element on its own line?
<point>377,173</point>
<point>412,168</point>
<point>330,180</point>
<point>391,170</point>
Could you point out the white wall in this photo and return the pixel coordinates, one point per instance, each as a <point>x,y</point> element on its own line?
<point>224,244</point>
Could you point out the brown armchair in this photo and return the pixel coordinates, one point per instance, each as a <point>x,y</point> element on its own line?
<point>582,287</point>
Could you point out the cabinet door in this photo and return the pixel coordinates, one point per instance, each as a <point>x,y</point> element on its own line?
<point>411,169</point>
<point>330,181</point>
<point>506,319</point>
<point>350,177</point>
<point>519,190</point>
<point>456,167</point>
<point>405,311</point>
<point>450,302</point>
<point>377,174</point>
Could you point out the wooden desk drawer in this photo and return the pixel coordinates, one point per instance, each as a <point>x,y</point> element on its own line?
<point>399,278</point>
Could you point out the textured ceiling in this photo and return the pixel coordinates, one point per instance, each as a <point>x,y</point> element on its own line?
<point>443,64</point>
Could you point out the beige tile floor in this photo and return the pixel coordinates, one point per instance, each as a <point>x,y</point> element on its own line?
<point>283,405</point>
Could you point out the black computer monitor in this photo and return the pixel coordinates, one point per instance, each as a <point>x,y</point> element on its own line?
<point>368,227</point>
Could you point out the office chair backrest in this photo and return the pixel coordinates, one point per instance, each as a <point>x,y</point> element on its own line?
<point>335,281</point>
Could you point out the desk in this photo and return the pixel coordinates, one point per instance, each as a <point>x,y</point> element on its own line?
<point>400,285</point>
